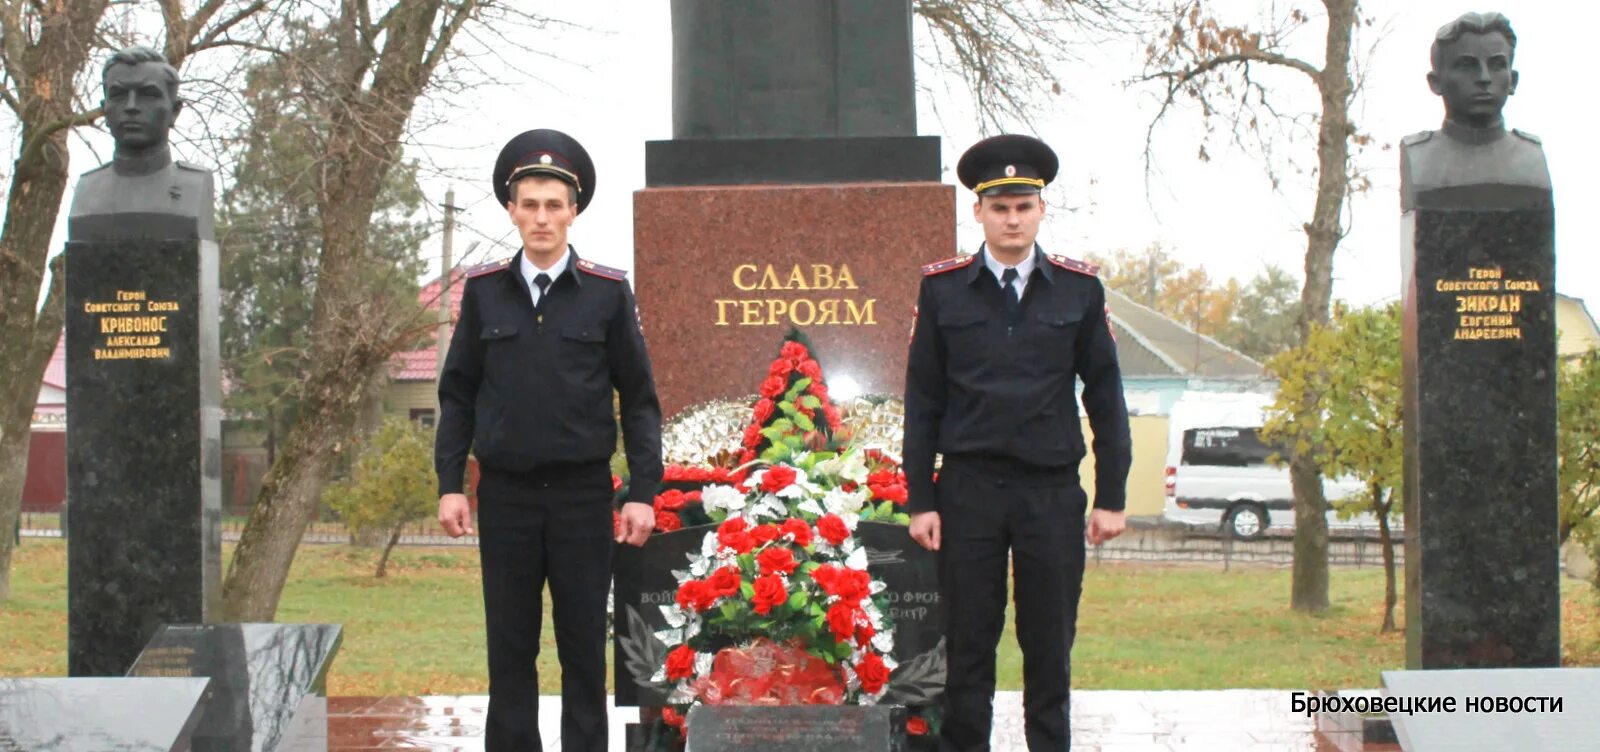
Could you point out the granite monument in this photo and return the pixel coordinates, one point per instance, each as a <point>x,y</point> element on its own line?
<point>143,381</point>
<point>1479,359</point>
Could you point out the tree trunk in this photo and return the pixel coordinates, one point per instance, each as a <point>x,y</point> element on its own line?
<point>289,493</point>
<point>383,559</point>
<point>42,77</point>
<point>1310,589</point>
<point>1386,539</point>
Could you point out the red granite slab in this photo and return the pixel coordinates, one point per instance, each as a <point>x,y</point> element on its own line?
<point>722,272</point>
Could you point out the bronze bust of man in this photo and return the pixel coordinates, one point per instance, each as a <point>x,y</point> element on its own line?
<point>1472,72</point>
<point>142,192</point>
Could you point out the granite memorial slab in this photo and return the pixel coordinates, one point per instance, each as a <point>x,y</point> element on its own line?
<point>1479,360</point>
<point>268,681</point>
<point>99,714</point>
<point>794,728</point>
<point>1499,709</point>
<point>144,450</point>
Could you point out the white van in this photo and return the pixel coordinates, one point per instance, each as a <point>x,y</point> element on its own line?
<point>1219,473</point>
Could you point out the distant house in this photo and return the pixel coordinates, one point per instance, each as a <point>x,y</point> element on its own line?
<point>1575,328</point>
<point>413,390</point>
<point>45,485</point>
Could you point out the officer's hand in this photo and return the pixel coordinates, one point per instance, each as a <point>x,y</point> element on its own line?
<point>638,519</point>
<point>455,515</point>
<point>925,530</point>
<point>1104,525</point>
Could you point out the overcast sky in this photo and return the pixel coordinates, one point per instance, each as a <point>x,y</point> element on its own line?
<point>615,94</point>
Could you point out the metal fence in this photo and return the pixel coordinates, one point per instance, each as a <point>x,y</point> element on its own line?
<point>1145,541</point>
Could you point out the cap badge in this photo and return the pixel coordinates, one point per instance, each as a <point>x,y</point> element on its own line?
<point>544,159</point>
<point>1011,171</point>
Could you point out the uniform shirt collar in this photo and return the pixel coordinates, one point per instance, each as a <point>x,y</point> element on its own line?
<point>560,267</point>
<point>1033,261</point>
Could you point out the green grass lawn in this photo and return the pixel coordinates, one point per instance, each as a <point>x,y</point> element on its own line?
<point>420,630</point>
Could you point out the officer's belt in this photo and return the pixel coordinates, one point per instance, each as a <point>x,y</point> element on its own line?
<point>1008,468</point>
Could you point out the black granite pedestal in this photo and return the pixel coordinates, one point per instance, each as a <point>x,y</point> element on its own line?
<point>143,445</point>
<point>1479,355</point>
<point>268,681</point>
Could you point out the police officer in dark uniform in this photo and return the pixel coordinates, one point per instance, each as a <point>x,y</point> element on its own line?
<point>999,341</point>
<point>542,340</point>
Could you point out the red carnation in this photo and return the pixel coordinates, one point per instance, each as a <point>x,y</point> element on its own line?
<point>777,478</point>
<point>915,725</point>
<point>723,582</point>
<point>810,370</point>
<point>872,673</point>
<point>671,717</point>
<point>693,595</point>
<point>793,351</point>
<point>833,529</point>
<point>780,368</point>
<point>763,411</point>
<point>799,529</point>
<point>864,634</point>
<point>769,593</point>
<point>747,457</point>
<point>667,522</point>
<point>853,585</point>
<point>842,620</point>
<point>776,559</point>
<point>671,501</point>
<point>680,663</point>
<point>882,478</point>
<point>773,386</point>
<point>752,436</point>
<point>831,414</point>
<point>732,535</point>
<point>764,534</point>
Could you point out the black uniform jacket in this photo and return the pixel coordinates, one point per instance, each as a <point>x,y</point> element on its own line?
<point>984,387</point>
<point>527,391</point>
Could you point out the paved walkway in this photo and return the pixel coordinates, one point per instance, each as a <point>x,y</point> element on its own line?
<point>1231,720</point>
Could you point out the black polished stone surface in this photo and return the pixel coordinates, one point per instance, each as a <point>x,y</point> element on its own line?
<point>268,681</point>
<point>1576,726</point>
<point>910,575</point>
<point>791,161</point>
<point>1479,354</point>
<point>143,445</point>
<point>779,69</point>
<point>810,728</point>
<point>643,583</point>
<point>99,715</point>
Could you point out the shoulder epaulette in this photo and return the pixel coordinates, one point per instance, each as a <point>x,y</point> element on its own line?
<point>1416,138</point>
<point>182,165</point>
<point>1074,265</point>
<point>601,271</point>
<point>940,267</point>
<point>489,268</point>
<point>1527,135</point>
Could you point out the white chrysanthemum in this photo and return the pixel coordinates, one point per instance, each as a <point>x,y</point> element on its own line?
<point>769,508</point>
<point>841,502</point>
<point>726,498</point>
<point>673,615</point>
<point>883,642</point>
<point>855,557</point>
<point>810,506</point>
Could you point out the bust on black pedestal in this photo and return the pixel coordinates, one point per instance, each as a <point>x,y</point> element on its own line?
<point>143,381</point>
<point>1479,357</point>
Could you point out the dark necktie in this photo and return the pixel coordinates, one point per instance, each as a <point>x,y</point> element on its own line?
<point>1008,290</point>
<point>542,281</point>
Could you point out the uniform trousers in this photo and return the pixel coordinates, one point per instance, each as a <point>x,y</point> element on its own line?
<point>546,526</point>
<point>1039,521</point>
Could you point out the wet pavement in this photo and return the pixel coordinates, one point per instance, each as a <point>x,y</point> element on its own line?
<point>1241,720</point>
